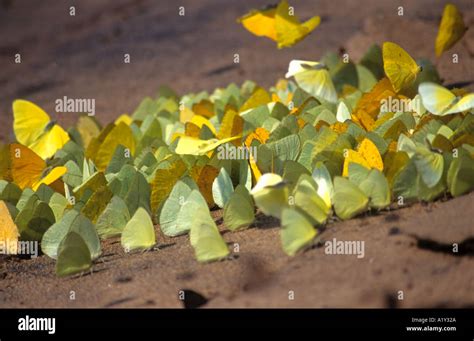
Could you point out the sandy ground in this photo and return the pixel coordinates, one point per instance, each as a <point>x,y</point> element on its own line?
<point>407,250</point>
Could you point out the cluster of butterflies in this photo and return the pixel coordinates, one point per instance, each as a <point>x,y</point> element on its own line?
<point>319,147</point>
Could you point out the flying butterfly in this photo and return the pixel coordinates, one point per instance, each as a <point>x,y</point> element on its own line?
<point>279,24</point>
<point>451,29</point>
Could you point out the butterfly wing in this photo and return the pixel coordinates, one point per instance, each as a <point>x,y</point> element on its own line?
<point>261,23</point>
<point>193,146</point>
<point>50,142</point>
<point>205,238</point>
<point>322,177</point>
<point>29,121</point>
<point>343,113</point>
<point>451,29</point>
<point>310,24</point>
<point>55,174</point>
<point>369,151</point>
<point>353,157</point>
<point>296,231</point>
<point>139,233</point>
<point>436,99</point>
<point>239,210</point>
<point>26,166</point>
<point>73,255</point>
<point>289,31</point>
<point>349,200</point>
<point>466,103</point>
<point>8,230</point>
<point>399,66</point>
<point>313,79</point>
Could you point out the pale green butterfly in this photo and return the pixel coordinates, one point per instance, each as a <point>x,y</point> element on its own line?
<point>222,188</point>
<point>308,201</point>
<point>314,78</point>
<point>440,101</point>
<point>270,194</point>
<point>373,183</point>
<point>349,200</point>
<point>73,255</point>
<point>296,232</point>
<point>461,175</point>
<point>113,219</point>
<point>139,233</point>
<point>239,210</point>
<point>205,238</point>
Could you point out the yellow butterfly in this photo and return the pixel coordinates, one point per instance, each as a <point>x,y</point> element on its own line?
<point>33,128</point>
<point>366,155</point>
<point>261,135</point>
<point>28,170</point>
<point>279,24</point>
<point>102,148</point>
<point>8,231</point>
<point>451,29</point>
<point>204,178</point>
<point>440,101</point>
<point>400,68</point>
<point>125,118</point>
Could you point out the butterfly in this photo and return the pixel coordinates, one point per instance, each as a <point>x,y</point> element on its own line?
<point>343,114</point>
<point>400,68</point>
<point>366,155</point>
<point>296,232</point>
<point>193,146</point>
<point>71,222</point>
<point>451,29</point>
<point>33,128</point>
<point>279,24</point>
<point>440,101</point>
<point>29,170</point>
<point>239,210</point>
<point>309,202</point>
<point>270,194</point>
<point>139,233</point>
<point>8,230</point>
<point>73,255</point>
<point>314,78</point>
<point>349,200</point>
<point>205,238</point>
<point>373,183</point>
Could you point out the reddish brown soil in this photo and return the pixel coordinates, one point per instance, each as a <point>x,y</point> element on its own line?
<point>406,250</point>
